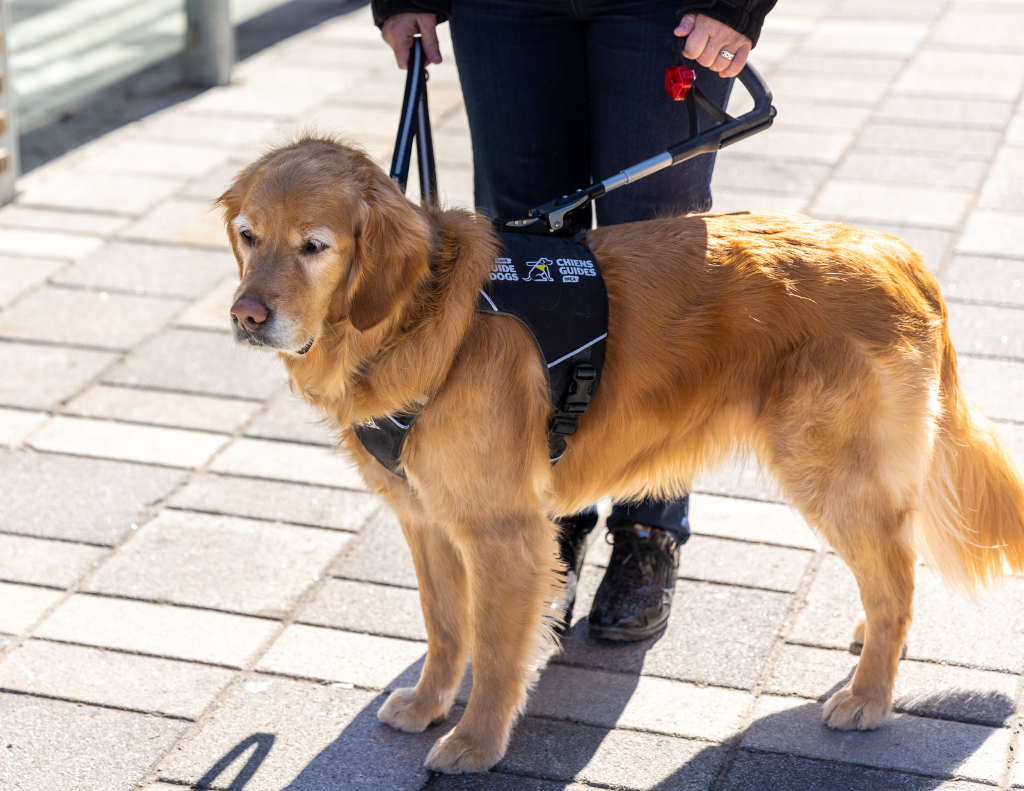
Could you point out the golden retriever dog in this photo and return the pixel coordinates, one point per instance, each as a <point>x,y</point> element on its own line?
<point>819,348</point>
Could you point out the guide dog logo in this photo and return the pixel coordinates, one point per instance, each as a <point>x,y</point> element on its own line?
<point>540,271</point>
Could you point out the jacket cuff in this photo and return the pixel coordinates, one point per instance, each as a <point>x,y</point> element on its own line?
<point>733,14</point>
<point>385,9</point>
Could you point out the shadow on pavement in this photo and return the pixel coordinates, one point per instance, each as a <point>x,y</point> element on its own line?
<point>160,85</point>
<point>787,750</point>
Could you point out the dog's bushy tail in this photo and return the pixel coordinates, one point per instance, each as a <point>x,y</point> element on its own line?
<point>972,519</point>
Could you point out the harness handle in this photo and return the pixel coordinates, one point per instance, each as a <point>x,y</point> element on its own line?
<point>549,218</point>
<point>414,124</point>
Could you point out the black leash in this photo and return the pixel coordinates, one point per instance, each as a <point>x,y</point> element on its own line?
<point>415,125</point>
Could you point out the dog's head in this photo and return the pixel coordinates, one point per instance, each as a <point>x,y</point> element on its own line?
<point>322,236</point>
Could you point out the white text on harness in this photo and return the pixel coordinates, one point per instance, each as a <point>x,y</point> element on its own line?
<point>571,269</point>
<point>503,270</point>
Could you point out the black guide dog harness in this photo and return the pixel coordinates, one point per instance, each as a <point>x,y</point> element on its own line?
<point>552,284</point>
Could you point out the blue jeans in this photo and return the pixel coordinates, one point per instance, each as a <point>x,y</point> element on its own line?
<point>562,91</point>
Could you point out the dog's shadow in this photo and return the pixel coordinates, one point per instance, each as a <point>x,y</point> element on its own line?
<point>558,744</point>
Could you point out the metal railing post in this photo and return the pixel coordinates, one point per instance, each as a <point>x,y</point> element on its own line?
<point>209,42</point>
<point>10,158</point>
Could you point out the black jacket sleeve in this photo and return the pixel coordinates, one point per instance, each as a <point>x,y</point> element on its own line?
<point>382,9</point>
<point>743,16</point>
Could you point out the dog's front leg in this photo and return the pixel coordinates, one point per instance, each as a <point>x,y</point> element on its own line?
<point>511,575</point>
<point>444,598</point>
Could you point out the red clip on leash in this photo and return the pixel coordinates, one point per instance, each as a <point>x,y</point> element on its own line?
<point>678,81</point>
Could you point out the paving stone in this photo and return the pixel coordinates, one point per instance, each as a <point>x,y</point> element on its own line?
<point>211,130</point>
<point>984,28</point>
<point>829,117</point>
<point>935,171</point>
<point>989,632</point>
<point>983,278</point>
<point>727,200</point>
<point>750,520</point>
<point>158,629</point>
<point>220,562</point>
<point>23,605</point>
<point>1002,192</point>
<point>151,269</point>
<point>180,221</point>
<point>47,244</point>
<point>212,311</point>
<point>925,688</point>
<point>110,678</point>
<point>288,417</point>
<point>926,746</point>
<point>200,362</point>
<point>44,376</point>
<point>78,499</point>
<point>887,202</point>
<point>18,275</point>
<point>58,564</point>
<point>215,183</point>
<point>721,635</point>
<point>317,738</point>
<point>1013,435</point>
<point>141,157</point>
<point>859,88</point>
<point>365,660</point>
<point>789,773</point>
<point>741,563</point>
<point>169,409</point>
<point>564,751</point>
<point>16,424</point>
<point>172,447</point>
<point>990,113</point>
<point>995,385</point>
<point>286,92</point>
<point>992,232</point>
<point>987,330</point>
<point>799,144</point>
<point>17,216</point>
<point>87,318</point>
<point>841,65</point>
<point>365,607</point>
<point>768,174</point>
<point>289,461</point>
<point>275,501</point>
<point>348,120</point>
<point>919,139</point>
<point>382,555</point>
<point>500,782</point>
<point>656,705</point>
<point>969,81</point>
<point>120,193</point>
<point>866,36</point>
<point>56,746</point>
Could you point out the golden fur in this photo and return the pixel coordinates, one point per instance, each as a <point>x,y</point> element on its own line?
<point>821,348</point>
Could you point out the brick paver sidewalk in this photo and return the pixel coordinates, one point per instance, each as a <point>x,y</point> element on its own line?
<point>196,589</point>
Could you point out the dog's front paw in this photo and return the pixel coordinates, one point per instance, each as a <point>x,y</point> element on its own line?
<point>455,753</point>
<point>848,711</point>
<point>406,711</point>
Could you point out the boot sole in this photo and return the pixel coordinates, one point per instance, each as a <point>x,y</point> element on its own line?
<point>624,635</point>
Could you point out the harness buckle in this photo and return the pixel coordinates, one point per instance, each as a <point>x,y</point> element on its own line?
<point>581,390</point>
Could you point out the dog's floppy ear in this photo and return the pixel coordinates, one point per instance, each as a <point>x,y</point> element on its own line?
<point>391,256</point>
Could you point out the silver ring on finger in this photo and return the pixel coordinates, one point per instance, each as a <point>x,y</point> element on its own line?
<point>726,54</point>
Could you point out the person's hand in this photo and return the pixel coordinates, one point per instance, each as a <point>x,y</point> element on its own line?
<point>398,32</point>
<point>707,38</point>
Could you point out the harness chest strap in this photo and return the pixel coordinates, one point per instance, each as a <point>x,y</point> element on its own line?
<point>553,286</point>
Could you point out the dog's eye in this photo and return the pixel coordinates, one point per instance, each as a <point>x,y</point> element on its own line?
<point>246,234</point>
<point>314,246</point>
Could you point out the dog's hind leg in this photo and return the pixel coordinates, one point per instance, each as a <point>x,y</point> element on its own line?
<point>444,598</point>
<point>884,569</point>
<point>850,440</point>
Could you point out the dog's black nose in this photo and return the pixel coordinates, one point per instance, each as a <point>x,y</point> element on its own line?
<point>249,313</point>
